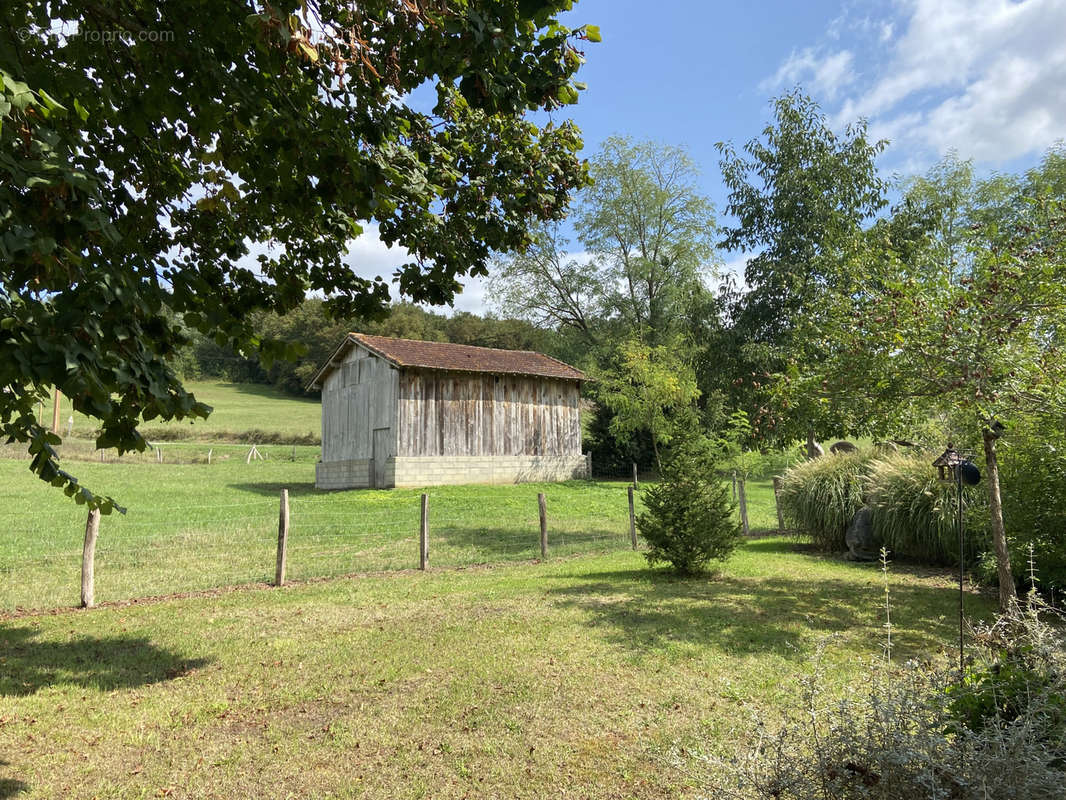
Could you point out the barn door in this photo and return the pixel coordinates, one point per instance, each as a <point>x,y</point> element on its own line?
<point>380,456</point>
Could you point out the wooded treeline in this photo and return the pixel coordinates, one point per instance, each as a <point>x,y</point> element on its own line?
<point>832,330</point>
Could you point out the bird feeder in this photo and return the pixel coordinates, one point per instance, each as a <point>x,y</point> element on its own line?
<point>962,470</point>
<point>948,460</point>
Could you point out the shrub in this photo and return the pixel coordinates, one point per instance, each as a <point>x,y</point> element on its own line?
<point>689,517</point>
<point>914,511</point>
<point>915,733</point>
<point>1021,677</point>
<point>1033,479</point>
<point>819,497</point>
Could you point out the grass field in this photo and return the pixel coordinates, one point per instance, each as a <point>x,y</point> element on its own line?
<point>197,526</point>
<point>586,675</point>
<point>590,677</point>
<point>242,412</point>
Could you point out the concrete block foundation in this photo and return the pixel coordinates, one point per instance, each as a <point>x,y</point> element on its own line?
<point>415,471</point>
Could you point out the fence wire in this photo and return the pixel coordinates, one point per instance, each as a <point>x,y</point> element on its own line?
<point>188,548</point>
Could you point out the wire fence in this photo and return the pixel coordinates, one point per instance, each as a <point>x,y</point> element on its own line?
<point>189,548</point>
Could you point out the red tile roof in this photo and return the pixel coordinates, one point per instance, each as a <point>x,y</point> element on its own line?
<point>458,358</point>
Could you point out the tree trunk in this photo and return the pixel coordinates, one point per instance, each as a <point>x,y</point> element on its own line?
<point>1007,592</point>
<point>813,450</point>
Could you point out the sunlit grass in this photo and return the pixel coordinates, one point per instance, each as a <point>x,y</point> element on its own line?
<point>586,677</point>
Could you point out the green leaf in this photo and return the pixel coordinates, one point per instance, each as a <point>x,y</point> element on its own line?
<point>50,103</point>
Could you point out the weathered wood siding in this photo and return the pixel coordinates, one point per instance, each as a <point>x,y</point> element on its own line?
<point>359,397</point>
<point>458,414</point>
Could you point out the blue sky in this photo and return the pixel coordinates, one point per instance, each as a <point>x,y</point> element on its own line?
<point>985,78</point>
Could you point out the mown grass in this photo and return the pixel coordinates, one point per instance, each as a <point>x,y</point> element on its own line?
<point>192,526</point>
<point>196,526</point>
<point>249,412</point>
<point>590,677</point>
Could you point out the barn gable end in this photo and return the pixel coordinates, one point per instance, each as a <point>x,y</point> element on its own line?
<point>399,412</point>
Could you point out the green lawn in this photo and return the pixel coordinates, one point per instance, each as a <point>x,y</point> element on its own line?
<point>242,412</point>
<point>586,675</point>
<point>193,526</point>
<point>197,526</point>
<point>589,677</point>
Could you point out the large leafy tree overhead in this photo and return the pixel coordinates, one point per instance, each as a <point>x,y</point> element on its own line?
<point>145,147</point>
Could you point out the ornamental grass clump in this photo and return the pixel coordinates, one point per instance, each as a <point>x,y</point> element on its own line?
<point>819,497</point>
<point>915,512</point>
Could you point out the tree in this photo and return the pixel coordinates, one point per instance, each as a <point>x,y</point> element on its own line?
<point>979,336</point>
<point>801,195</point>
<point>649,230</point>
<point>147,147</point>
<point>689,518</point>
<point>649,386</point>
<point>548,286</point>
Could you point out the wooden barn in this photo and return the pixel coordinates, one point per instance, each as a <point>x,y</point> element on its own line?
<point>400,412</point>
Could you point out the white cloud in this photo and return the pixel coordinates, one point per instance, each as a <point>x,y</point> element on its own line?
<point>983,77</point>
<point>825,75</point>
<point>369,257</point>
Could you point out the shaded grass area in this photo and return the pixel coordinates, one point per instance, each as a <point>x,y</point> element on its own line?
<point>571,678</point>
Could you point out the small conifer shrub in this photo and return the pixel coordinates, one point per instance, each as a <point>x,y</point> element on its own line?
<point>688,520</point>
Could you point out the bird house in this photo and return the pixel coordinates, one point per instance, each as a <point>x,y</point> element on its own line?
<point>948,460</point>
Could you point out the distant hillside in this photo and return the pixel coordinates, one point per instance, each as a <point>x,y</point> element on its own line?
<point>243,412</point>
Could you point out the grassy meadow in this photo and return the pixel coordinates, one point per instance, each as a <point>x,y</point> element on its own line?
<point>587,677</point>
<point>243,412</point>
<point>196,526</point>
<point>492,674</point>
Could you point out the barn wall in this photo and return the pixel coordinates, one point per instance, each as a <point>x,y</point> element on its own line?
<point>359,397</point>
<point>456,414</point>
<point>351,474</point>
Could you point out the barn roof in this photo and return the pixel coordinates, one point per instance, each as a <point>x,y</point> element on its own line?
<point>453,358</point>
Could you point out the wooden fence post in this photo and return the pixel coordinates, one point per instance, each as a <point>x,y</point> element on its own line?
<point>635,484</point>
<point>777,503</point>
<point>55,412</point>
<point>283,538</point>
<point>210,450</point>
<point>423,535</point>
<point>632,521</point>
<point>742,498</point>
<point>734,486</point>
<point>88,559</point>
<point>543,505</point>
